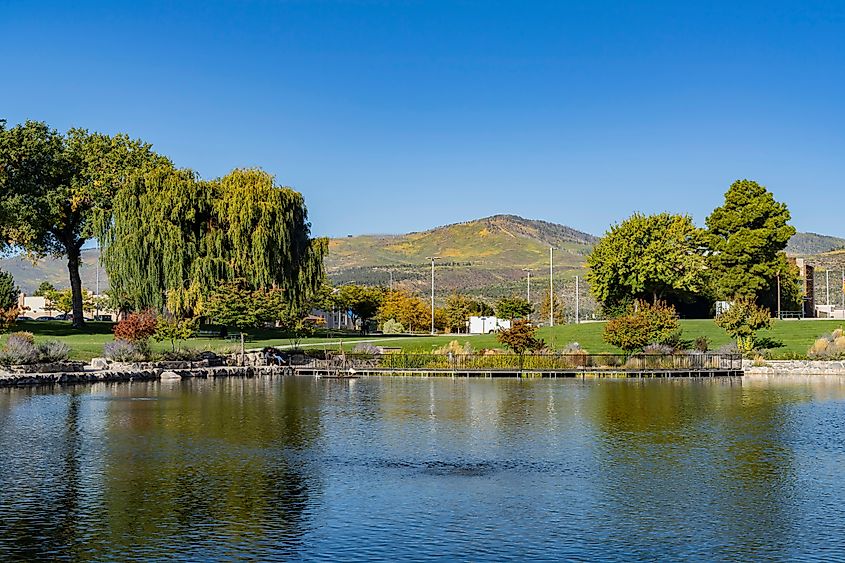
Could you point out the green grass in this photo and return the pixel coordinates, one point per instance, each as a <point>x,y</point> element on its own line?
<point>796,336</point>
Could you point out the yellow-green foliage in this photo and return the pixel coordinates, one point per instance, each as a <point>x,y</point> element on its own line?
<point>454,348</point>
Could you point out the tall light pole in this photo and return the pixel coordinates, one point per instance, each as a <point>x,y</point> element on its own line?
<point>551,289</point>
<point>779,313</point>
<point>432,258</point>
<point>528,271</point>
<point>577,302</point>
<point>827,285</point>
<point>97,288</point>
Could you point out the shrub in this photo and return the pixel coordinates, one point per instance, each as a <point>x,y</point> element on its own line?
<point>455,348</point>
<point>702,344</point>
<point>366,348</point>
<point>729,348</point>
<point>137,327</point>
<point>122,351</point>
<point>829,346</point>
<point>742,320</point>
<point>28,336</point>
<point>520,338</point>
<point>391,326</point>
<point>53,351</point>
<point>659,349</point>
<point>643,324</point>
<point>181,355</point>
<point>18,351</point>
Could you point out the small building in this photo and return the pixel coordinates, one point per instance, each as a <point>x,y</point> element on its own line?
<point>487,325</point>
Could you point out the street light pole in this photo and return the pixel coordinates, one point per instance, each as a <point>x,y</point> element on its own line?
<point>432,258</point>
<point>827,285</point>
<point>577,302</point>
<point>779,313</point>
<point>551,289</point>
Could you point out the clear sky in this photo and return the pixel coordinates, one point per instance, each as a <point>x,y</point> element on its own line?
<point>397,116</point>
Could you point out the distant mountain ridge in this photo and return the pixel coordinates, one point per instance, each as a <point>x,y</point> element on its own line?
<point>805,244</point>
<point>483,256</point>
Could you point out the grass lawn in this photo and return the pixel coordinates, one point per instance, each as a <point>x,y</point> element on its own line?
<point>796,336</point>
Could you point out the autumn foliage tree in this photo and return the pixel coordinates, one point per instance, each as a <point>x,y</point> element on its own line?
<point>643,323</point>
<point>521,338</point>
<point>137,327</point>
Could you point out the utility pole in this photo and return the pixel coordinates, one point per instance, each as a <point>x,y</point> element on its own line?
<point>528,270</point>
<point>97,289</point>
<point>577,302</point>
<point>432,258</point>
<point>551,289</point>
<point>779,315</point>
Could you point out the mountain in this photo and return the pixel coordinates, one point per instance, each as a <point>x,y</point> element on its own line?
<point>29,275</point>
<point>485,256</point>
<point>804,244</point>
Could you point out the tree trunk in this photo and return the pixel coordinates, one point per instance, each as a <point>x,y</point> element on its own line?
<point>73,258</point>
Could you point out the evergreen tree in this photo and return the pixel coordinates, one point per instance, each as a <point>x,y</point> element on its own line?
<point>747,236</point>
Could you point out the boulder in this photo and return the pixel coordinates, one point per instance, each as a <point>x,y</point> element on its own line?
<point>170,375</point>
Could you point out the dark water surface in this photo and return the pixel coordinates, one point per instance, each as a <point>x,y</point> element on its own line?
<point>415,469</point>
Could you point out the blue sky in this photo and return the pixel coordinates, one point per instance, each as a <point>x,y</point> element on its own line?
<point>397,116</point>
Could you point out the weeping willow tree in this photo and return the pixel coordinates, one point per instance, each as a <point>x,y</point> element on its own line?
<point>172,237</point>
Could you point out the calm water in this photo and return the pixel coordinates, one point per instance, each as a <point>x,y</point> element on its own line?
<point>416,469</point>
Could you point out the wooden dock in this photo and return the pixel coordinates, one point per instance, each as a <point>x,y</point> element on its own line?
<point>584,366</point>
<point>524,374</point>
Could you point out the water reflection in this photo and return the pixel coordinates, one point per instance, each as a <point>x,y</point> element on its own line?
<point>277,469</point>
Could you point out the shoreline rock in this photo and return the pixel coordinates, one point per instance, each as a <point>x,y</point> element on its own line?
<point>10,379</point>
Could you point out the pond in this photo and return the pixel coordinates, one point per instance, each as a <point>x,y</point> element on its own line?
<point>415,469</point>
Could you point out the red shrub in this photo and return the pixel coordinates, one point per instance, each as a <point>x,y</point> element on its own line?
<point>137,327</point>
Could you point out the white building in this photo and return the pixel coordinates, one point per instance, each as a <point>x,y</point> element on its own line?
<point>33,306</point>
<point>486,325</point>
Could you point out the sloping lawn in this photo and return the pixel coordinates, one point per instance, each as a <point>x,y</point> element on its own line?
<point>796,337</point>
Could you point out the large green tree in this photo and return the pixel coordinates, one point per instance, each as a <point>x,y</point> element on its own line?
<point>55,188</point>
<point>648,257</point>
<point>748,235</point>
<point>173,238</point>
<point>362,301</point>
<point>513,308</point>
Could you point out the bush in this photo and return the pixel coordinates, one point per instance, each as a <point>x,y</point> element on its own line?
<point>18,351</point>
<point>742,320</point>
<point>123,351</point>
<point>659,349</point>
<point>702,344</point>
<point>643,324</point>
<point>829,347</point>
<point>137,327</point>
<point>181,355</point>
<point>53,351</point>
<point>392,327</point>
<point>725,349</point>
<point>455,348</point>
<point>28,336</point>
<point>366,348</point>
